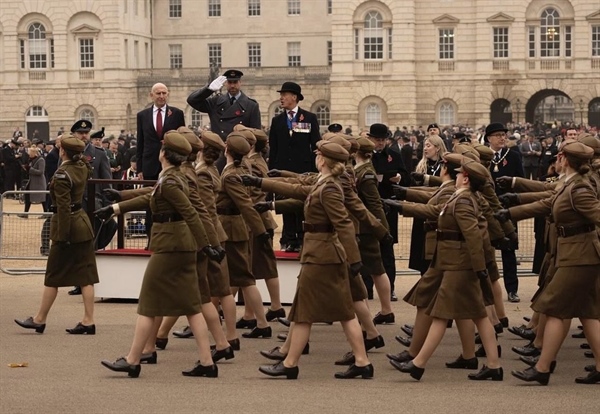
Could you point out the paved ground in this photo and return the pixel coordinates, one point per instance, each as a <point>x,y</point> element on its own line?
<point>65,375</point>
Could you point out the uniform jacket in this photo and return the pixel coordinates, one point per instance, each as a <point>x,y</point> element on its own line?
<point>258,168</point>
<point>149,142</point>
<point>209,184</point>
<point>198,202</point>
<point>366,186</point>
<point>293,152</point>
<point>224,116</point>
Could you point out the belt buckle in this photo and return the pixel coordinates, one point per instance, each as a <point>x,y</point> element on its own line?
<point>561,231</point>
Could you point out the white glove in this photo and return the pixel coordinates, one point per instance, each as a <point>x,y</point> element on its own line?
<point>217,83</point>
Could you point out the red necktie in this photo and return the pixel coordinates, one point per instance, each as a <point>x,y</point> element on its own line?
<point>291,115</point>
<point>159,123</point>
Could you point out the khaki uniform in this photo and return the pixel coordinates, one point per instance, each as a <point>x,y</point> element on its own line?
<point>73,263</point>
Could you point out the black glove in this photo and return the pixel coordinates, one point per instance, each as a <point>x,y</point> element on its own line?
<point>263,206</point>
<point>417,178</point>
<point>355,268</point>
<point>221,252</point>
<point>111,194</point>
<point>387,239</point>
<point>274,173</point>
<point>104,213</point>
<point>212,253</point>
<point>502,215</point>
<point>392,204</point>
<point>505,183</point>
<point>509,200</point>
<point>502,244</point>
<point>482,274</point>
<point>251,180</point>
<point>264,237</point>
<point>399,192</point>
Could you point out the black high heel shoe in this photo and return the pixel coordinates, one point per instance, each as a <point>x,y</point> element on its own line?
<point>495,374</point>
<point>209,371</point>
<point>81,329</point>
<point>226,353</point>
<point>279,370</point>
<point>121,365</point>
<point>259,332</point>
<point>409,368</point>
<point>365,372</point>
<point>150,358</point>
<point>30,324</point>
<point>531,374</point>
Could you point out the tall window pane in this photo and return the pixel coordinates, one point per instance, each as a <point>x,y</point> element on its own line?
<point>253,7</point>
<point>214,8</point>
<point>293,53</point>
<point>175,56</point>
<point>196,118</point>
<point>373,39</point>
<point>596,41</point>
<point>500,42</point>
<point>323,115</point>
<point>446,114</point>
<point>214,55</point>
<point>550,33</point>
<point>531,39</point>
<point>38,46</point>
<point>329,52</point>
<point>86,53</point>
<point>568,41</point>
<point>446,43</point>
<point>254,56</point>
<point>372,114</point>
<point>293,7</point>
<point>175,8</point>
<point>88,115</point>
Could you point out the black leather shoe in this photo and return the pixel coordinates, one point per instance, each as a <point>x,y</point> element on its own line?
<point>218,355</point>
<point>161,343</point>
<point>75,291</point>
<point>258,333</point>
<point>245,323</point>
<point>274,354</point>
<point>523,332</point>
<point>590,368</point>
<point>409,368</point>
<point>273,314</point>
<point>579,335</point>
<point>409,326</point>
<point>30,324</point>
<point>588,354</point>
<point>461,363</point>
<point>81,329</point>
<point>282,337</point>
<point>531,374</point>
<point>347,359</point>
<point>532,361</point>
<point>527,319</point>
<point>485,373</point>
<point>527,350</point>
<point>504,322</point>
<point>394,298</point>
<point>584,345</point>
<point>498,328</point>
<point>481,352</point>
<point>403,356</point>
<point>184,333</point>
<point>150,358</point>
<point>376,342</point>
<point>235,344</point>
<point>381,319</point>
<point>407,329</point>
<point>404,341</point>
<point>285,322</point>
<point>279,370</point>
<point>121,365</point>
<point>210,371</point>
<point>592,378</point>
<point>365,372</point>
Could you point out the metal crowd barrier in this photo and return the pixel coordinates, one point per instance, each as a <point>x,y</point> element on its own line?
<point>21,235</point>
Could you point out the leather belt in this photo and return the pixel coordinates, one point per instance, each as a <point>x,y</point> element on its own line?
<point>430,226</point>
<point>568,231</point>
<point>317,228</point>
<point>449,235</point>
<point>166,217</point>
<point>228,211</point>
<point>74,207</point>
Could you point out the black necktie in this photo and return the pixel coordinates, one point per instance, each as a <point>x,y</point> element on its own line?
<point>232,100</point>
<point>497,157</point>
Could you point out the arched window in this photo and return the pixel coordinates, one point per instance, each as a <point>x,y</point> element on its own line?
<point>277,109</point>
<point>373,36</point>
<point>372,114</point>
<point>323,115</point>
<point>87,115</point>
<point>37,112</point>
<point>372,23</point>
<point>550,33</point>
<point>446,113</point>
<point>37,46</point>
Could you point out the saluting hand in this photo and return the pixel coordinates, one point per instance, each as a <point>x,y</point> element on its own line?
<point>263,206</point>
<point>504,182</point>
<point>251,180</point>
<point>217,84</point>
<point>502,215</point>
<point>399,192</point>
<point>111,194</point>
<point>104,213</point>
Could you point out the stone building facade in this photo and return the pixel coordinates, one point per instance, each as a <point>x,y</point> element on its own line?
<point>358,61</point>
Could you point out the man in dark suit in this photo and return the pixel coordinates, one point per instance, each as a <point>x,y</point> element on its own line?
<point>506,162</point>
<point>152,123</point>
<point>390,170</point>
<point>293,139</point>
<point>406,153</point>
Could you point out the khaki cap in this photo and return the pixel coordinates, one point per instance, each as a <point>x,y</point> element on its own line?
<point>332,150</point>
<point>476,172</point>
<point>352,140</point>
<point>485,152</point>
<point>192,138</point>
<point>238,143</point>
<point>454,159</point>
<point>260,134</point>
<point>177,143</point>
<point>69,142</point>
<point>466,150</point>
<point>328,135</point>
<point>365,144</point>
<point>211,139</point>
<point>578,150</point>
<point>590,141</point>
<point>246,133</point>
<point>340,140</point>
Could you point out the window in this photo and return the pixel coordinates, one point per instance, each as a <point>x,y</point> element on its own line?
<point>254,57</point>
<point>87,115</point>
<point>446,114</point>
<point>550,33</point>
<point>214,8</point>
<point>293,53</point>
<point>389,43</point>
<point>500,42</point>
<point>531,40</point>
<point>356,44</point>
<point>293,7</point>
<point>37,112</point>
<point>323,115</point>
<point>277,109</point>
<point>37,46</point>
<point>196,118</point>
<point>596,41</point>
<point>214,55</point>
<point>329,52</point>
<point>329,6</point>
<point>373,35</point>
<point>175,57</point>
<point>568,41</point>
<point>175,8</point>
<point>372,114</point>
<point>446,43</point>
<point>86,53</point>
<point>253,7</point>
